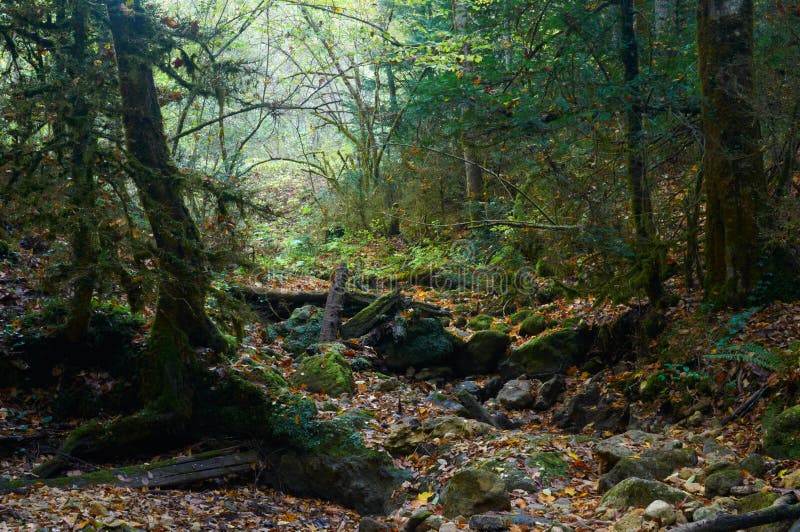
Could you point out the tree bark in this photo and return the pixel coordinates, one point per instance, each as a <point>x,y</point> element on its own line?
<point>773,514</point>
<point>181,321</point>
<point>334,305</point>
<point>733,169</point>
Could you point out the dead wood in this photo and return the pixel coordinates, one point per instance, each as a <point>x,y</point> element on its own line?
<point>334,305</point>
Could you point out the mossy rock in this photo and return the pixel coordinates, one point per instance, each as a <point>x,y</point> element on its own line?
<point>514,477</point>
<point>782,435</point>
<point>483,353</point>
<point>5,250</point>
<point>419,343</point>
<point>501,327</point>
<point>481,322</point>
<point>641,492</point>
<point>533,325</point>
<point>551,465</point>
<point>654,464</point>
<point>549,353</point>
<point>759,501</point>
<point>329,373</point>
<point>519,316</point>
<point>270,376</point>
<point>721,482</point>
<point>301,330</point>
<point>475,491</point>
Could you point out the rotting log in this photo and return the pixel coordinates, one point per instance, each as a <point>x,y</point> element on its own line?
<point>278,304</point>
<point>382,309</point>
<point>334,305</point>
<point>169,473</point>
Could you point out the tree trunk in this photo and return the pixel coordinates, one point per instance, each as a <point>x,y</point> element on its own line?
<point>733,169</point>
<point>334,305</point>
<point>181,321</point>
<point>647,249</point>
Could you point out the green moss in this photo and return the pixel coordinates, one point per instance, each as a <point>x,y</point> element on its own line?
<point>271,377</point>
<point>533,325</point>
<point>550,464</point>
<point>721,482</point>
<point>519,316</point>
<point>501,327</point>
<point>782,436</point>
<point>301,329</point>
<point>756,501</point>
<point>481,322</point>
<point>641,492</point>
<point>329,373</point>
<point>549,353</point>
<point>420,343</point>
<point>484,351</point>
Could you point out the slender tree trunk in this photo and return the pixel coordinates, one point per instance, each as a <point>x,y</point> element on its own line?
<point>181,321</point>
<point>733,169</point>
<point>641,203</point>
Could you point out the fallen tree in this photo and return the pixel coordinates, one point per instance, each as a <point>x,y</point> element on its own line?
<point>784,508</point>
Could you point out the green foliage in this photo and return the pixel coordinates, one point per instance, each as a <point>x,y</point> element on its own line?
<point>749,353</point>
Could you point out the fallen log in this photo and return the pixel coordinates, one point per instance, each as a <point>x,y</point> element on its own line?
<point>775,513</point>
<point>334,305</point>
<point>169,473</point>
<point>382,309</point>
<point>279,304</point>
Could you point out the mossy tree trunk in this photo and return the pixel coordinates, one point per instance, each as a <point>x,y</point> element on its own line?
<point>733,169</point>
<point>647,248</point>
<point>181,321</point>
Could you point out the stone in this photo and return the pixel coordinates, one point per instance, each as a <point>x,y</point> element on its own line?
<point>301,330</point>
<point>468,386</point>
<point>654,464</point>
<point>792,480</point>
<point>721,482</point>
<point>706,512</point>
<point>449,527</point>
<point>483,353</point>
<point>630,522</point>
<point>661,511</point>
<point>410,434</point>
<point>533,325</point>
<point>695,420</point>
<point>329,373</point>
<point>417,520</point>
<point>519,316</point>
<point>613,449</point>
<point>491,388</point>
<point>607,411</point>
<point>641,492</point>
<point>549,393</point>
<point>432,523</point>
<point>516,394</point>
<point>481,322</point>
<point>370,524</point>
<point>514,477</point>
<point>550,465</point>
<point>418,343</point>
<point>487,523</point>
<point>782,435</point>
<point>754,464</point>
<point>548,354</point>
<point>474,491</point>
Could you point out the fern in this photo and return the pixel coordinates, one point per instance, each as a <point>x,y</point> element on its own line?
<point>752,353</point>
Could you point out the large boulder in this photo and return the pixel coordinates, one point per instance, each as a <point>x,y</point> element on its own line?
<point>721,482</point>
<point>782,436</point>
<point>613,449</point>
<point>641,492</point>
<point>327,373</point>
<point>483,353</point>
<point>516,394</point>
<point>411,435</point>
<point>514,477</point>
<point>607,411</point>
<point>533,325</point>
<point>481,322</point>
<point>549,353</point>
<point>474,491</point>
<point>549,393</point>
<point>301,329</point>
<point>418,343</point>
<point>654,464</point>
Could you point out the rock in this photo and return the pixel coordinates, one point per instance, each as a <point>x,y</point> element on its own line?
<point>782,436</point>
<point>549,393</point>
<point>474,491</point>
<point>445,401</point>
<point>481,322</point>
<point>329,373</point>
<point>370,524</point>
<point>612,450</point>
<point>654,464</point>
<point>721,482</point>
<point>416,521</point>
<point>301,329</point>
<point>468,386</point>
<point>661,511</point>
<point>409,434</point>
<point>514,477</point>
<point>432,523</point>
<point>491,388</point>
<point>516,394</point>
<point>387,385</point>
<point>641,492</point>
<point>483,353</point>
<point>549,353</point>
<point>695,420</point>
<point>550,465</point>
<point>630,522</point>
<point>533,325</point>
<point>754,464</point>
<point>501,327</point>
<point>418,343</point>
<point>759,501</point>
<point>449,527</point>
<point>792,480</point>
<point>519,316</point>
<point>606,411</point>
<point>487,523</point>
<point>706,512</point>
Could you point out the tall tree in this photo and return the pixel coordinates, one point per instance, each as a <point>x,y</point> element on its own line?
<point>733,168</point>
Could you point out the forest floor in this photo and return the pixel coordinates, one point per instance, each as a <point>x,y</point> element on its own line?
<point>572,499</point>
